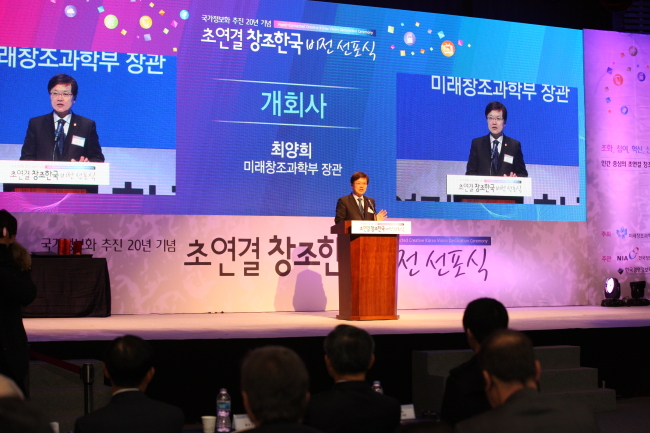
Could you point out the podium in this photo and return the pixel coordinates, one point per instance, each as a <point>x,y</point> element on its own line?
<point>489,189</point>
<point>367,259</point>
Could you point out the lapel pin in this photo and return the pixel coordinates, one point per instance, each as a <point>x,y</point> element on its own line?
<point>74,124</point>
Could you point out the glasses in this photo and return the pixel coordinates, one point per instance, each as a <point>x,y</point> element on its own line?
<point>55,95</point>
<point>494,119</point>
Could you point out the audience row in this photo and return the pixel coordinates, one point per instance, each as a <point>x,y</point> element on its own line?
<point>495,391</point>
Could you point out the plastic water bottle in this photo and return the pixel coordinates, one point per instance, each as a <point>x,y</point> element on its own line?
<point>376,386</point>
<point>223,411</point>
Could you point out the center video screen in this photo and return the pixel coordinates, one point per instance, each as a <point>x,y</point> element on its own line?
<point>267,107</point>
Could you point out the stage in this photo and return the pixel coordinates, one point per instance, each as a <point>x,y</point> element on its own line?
<point>318,324</point>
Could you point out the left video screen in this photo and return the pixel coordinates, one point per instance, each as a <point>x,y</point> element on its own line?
<point>131,98</point>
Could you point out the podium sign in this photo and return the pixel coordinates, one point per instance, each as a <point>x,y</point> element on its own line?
<point>367,259</point>
<point>380,227</point>
<point>54,172</point>
<point>489,186</point>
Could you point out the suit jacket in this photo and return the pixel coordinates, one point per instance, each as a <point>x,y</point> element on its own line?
<point>16,290</point>
<point>132,412</point>
<point>284,427</point>
<point>347,209</point>
<point>39,140</point>
<point>480,157</point>
<point>529,411</point>
<point>352,407</point>
<point>464,393</point>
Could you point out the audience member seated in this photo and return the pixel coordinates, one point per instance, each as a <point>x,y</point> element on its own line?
<point>8,388</point>
<point>19,416</point>
<point>275,390</point>
<point>16,291</point>
<point>511,375</point>
<point>128,364</point>
<point>351,405</point>
<point>465,389</point>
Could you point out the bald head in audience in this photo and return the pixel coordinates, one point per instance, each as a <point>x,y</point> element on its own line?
<point>8,388</point>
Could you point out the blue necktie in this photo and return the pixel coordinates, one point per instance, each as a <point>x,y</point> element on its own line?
<point>360,200</point>
<point>59,137</point>
<point>495,158</point>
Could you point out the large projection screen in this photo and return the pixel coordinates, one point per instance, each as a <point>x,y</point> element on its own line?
<point>267,107</point>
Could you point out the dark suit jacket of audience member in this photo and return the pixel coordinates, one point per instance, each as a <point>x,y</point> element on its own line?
<point>39,140</point>
<point>464,393</point>
<point>132,412</point>
<point>16,291</point>
<point>532,412</point>
<point>353,407</point>
<point>284,427</point>
<point>347,209</point>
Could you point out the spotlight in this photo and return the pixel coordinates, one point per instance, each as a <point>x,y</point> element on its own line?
<point>612,288</point>
<point>612,294</point>
<point>637,288</point>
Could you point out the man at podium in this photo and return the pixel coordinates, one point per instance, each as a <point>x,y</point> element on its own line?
<point>62,135</point>
<point>356,206</point>
<point>495,154</point>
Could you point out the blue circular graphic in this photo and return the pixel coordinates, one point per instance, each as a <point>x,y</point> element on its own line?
<point>624,109</point>
<point>184,14</point>
<point>641,76</point>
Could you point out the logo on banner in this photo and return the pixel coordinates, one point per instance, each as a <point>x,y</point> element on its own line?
<point>621,233</point>
<point>633,253</point>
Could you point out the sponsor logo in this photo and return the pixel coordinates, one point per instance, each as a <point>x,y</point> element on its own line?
<point>621,233</point>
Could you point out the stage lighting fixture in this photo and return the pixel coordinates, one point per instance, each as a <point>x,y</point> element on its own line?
<point>637,288</point>
<point>612,288</point>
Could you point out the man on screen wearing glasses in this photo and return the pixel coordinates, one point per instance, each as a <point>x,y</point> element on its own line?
<point>62,135</point>
<point>495,154</point>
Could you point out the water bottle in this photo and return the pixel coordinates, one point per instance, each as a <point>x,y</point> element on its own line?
<point>376,386</point>
<point>223,411</point>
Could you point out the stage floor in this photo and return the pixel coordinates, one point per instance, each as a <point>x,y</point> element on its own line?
<point>316,324</point>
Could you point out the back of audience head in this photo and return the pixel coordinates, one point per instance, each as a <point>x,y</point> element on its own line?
<point>18,416</point>
<point>8,388</point>
<point>8,227</point>
<point>275,385</point>
<point>508,360</point>
<point>483,316</point>
<point>128,362</point>
<point>508,355</point>
<point>349,351</point>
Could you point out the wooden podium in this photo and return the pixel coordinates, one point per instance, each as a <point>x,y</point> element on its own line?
<point>368,269</point>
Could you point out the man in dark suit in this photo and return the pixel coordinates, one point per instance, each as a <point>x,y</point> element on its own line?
<point>351,406</point>
<point>495,154</point>
<point>356,206</point>
<point>465,388</point>
<point>511,374</point>
<point>62,135</point>
<point>16,291</point>
<point>275,390</point>
<point>128,364</point>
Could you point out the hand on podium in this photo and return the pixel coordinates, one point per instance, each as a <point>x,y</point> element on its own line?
<point>381,215</point>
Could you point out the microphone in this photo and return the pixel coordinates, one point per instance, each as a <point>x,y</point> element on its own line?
<point>372,206</point>
<point>57,134</point>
